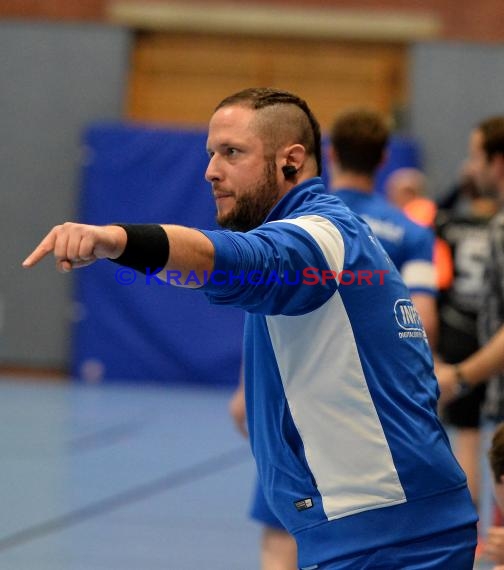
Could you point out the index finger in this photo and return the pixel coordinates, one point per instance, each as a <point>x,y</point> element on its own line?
<point>45,247</point>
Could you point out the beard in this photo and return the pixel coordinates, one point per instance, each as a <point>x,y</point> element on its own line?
<point>254,204</point>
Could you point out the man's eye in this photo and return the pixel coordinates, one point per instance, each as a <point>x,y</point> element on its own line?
<point>210,153</point>
<point>232,151</point>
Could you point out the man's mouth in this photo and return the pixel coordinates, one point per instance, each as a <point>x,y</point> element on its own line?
<point>221,195</point>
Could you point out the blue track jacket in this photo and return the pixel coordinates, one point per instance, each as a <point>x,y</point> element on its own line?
<point>340,390</point>
<point>409,245</point>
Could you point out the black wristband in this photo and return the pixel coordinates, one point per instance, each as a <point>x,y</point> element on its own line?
<point>463,386</point>
<point>147,249</point>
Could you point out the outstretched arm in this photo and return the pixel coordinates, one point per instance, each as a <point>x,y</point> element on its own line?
<point>78,245</point>
<point>485,362</point>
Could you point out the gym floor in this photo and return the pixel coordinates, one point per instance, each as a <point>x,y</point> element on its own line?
<point>124,477</point>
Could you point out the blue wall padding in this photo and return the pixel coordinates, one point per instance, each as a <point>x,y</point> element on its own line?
<point>146,331</point>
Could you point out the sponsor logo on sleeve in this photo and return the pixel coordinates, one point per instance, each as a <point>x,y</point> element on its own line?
<point>408,320</point>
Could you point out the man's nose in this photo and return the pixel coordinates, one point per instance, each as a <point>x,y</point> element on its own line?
<point>212,172</point>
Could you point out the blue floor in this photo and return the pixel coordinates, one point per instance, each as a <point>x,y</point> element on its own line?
<point>119,478</point>
<point>125,478</point>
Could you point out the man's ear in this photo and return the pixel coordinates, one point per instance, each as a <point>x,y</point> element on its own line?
<point>333,161</point>
<point>332,155</point>
<point>498,163</point>
<point>501,479</point>
<point>295,155</point>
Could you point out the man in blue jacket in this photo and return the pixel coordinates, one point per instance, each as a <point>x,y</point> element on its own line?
<point>340,391</point>
<point>359,139</point>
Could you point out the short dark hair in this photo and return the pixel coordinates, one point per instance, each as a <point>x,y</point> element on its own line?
<point>359,138</point>
<point>307,126</point>
<point>496,453</point>
<point>492,130</point>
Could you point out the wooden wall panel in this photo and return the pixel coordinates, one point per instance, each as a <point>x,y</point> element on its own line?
<point>180,79</point>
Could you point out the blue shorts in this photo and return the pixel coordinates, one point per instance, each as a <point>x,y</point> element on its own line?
<point>260,510</point>
<point>452,550</point>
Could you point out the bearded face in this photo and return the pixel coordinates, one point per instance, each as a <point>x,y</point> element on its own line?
<point>242,168</point>
<point>252,204</point>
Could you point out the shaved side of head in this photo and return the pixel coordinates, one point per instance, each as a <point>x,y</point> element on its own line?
<point>282,119</point>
